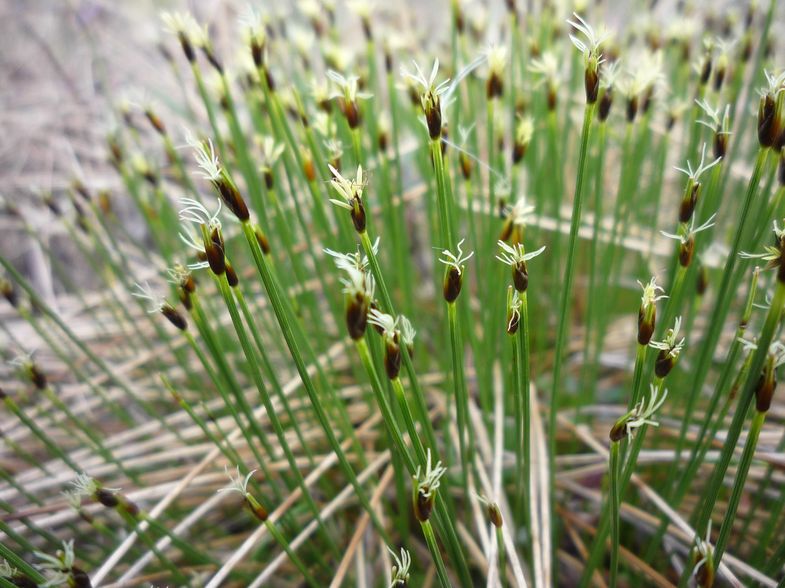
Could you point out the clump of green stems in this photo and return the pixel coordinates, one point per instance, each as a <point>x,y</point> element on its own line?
<point>338,333</point>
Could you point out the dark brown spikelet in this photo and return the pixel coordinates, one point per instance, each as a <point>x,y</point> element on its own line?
<point>107,498</point>
<point>174,316</point>
<point>351,111</point>
<point>188,283</point>
<point>606,101</point>
<point>494,88</point>
<point>495,515</point>
<point>261,238</point>
<point>214,249</point>
<point>37,377</point>
<point>520,277</point>
<point>719,77</point>
<point>704,575</point>
<point>129,506</point>
<point>513,322</point>
<point>764,390</point>
<point>433,116</point>
<point>632,108</point>
<point>618,430</point>
<point>9,292</point>
<point>358,215</point>
<point>231,275</point>
<point>213,59</point>
<point>392,357</point>
<point>466,166</point>
<point>257,52</point>
<point>79,578</point>
<point>591,82</point>
<point>720,144</point>
<point>552,98</point>
<point>357,308</point>
<point>232,198</point>
<point>648,98</point>
<point>21,581</point>
<point>664,363</point>
<point>256,507</point>
<point>79,188</point>
<point>689,201</point>
<point>155,121</point>
<point>768,123</point>
<point>518,151</point>
<point>686,251</point>
<point>185,298</point>
<point>702,281</point>
<point>423,505</point>
<point>646,325</point>
<point>506,232</point>
<point>309,169</point>
<point>705,72</point>
<point>453,281</point>
<point>188,48</point>
<point>367,31</point>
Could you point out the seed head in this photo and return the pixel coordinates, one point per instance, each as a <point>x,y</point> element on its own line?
<point>359,287</point>
<point>240,485</point>
<point>703,570</point>
<point>208,162</point>
<point>524,130</point>
<point>647,313</point>
<point>695,174</point>
<point>271,152</point>
<point>187,30</point>
<point>770,109</point>
<point>686,238</point>
<point>641,415</point>
<point>89,487</point>
<point>425,485</point>
<point>430,96</point>
<point>718,120</point>
<point>497,58</point>
<point>400,569</point>
<point>253,25</point>
<point>669,350</point>
<point>347,261</point>
<point>516,218</point>
<point>548,68</point>
<point>347,92</point>
<point>453,274</point>
<point>514,303</point>
<point>767,382</point>
<point>494,513</point>
<point>774,255</point>
<point>60,568</point>
<point>211,245</point>
<point>392,340</point>
<point>592,56</point>
<point>351,190</point>
<point>516,257</point>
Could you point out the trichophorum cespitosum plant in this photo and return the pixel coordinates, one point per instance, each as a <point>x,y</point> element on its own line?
<point>372,318</point>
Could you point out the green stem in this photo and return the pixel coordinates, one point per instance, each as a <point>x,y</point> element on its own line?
<point>615,506</point>
<point>566,296</point>
<point>433,547</point>
<point>738,485</point>
<point>461,395</point>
